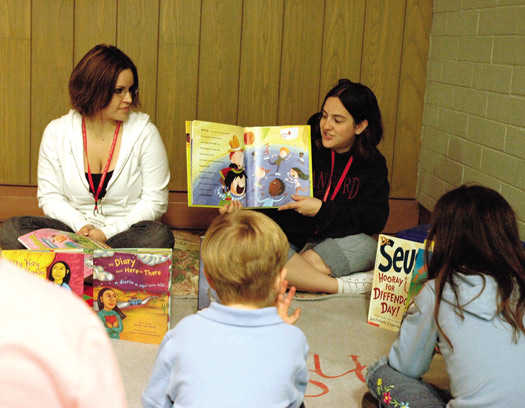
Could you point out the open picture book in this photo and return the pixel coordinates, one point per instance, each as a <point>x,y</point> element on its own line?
<point>399,273</point>
<point>259,166</point>
<point>48,238</point>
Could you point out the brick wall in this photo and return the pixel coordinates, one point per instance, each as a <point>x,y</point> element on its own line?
<point>474,115</point>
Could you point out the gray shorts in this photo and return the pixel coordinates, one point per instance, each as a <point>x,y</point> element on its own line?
<point>346,255</point>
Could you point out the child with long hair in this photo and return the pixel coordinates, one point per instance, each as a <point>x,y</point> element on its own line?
<point>295,174</point>
<point>473,306</point>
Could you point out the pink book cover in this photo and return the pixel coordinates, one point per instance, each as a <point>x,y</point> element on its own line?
<point>63,268</point>
<point>47,238</point>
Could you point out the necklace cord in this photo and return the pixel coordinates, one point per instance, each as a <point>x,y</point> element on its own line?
<point>343,175</point>
<point>103,177</point>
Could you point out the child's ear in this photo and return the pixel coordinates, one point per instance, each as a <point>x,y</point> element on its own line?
<point>279,278</point>
<point>282,275</point>
<point>212,285</point>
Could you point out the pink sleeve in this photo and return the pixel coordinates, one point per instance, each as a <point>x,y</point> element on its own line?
<point>100,383</point>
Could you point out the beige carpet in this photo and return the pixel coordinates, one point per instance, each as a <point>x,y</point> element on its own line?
<point>185,276</point>
<point>341,343</point>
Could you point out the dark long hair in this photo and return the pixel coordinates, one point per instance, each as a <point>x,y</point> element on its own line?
<point>361,103</point>
<point>475,232</point>
<point>93,80</point>
<point>67,275</point>
<point>101,304</point>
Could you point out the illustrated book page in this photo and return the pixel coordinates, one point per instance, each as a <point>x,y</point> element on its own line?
<point>66,269</point>
<point>258,166</point>
<point>48,238</point>
<point>131,292</point>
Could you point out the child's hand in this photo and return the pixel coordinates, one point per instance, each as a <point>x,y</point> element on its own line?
<point>282,303</point>
<point>230,207</point>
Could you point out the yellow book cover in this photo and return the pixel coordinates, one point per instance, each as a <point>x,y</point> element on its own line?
<point>399,273</point>
<point>131,293</point>
<point>259,166</point>
<point>65,268</point>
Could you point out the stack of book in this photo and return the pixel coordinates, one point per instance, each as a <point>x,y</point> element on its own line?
<point>129,288</point>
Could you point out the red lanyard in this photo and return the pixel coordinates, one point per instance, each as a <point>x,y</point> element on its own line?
<point>343,175</point>
<point>103,177</point>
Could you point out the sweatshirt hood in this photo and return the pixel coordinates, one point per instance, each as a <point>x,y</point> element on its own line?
<point>133,127</point>
<point>477,295</point>
<point>136,122</point>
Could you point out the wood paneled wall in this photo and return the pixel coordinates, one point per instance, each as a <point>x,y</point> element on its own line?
<point>251,62</point>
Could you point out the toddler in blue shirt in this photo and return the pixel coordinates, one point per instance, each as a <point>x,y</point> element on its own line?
<point>239,352</point>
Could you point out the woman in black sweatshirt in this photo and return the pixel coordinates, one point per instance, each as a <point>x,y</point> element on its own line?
<point>329,233</point>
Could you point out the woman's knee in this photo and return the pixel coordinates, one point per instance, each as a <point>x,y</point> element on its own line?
<point>314,259</point>
<point>10,230</point>
<point>168,238</point>
<point>360,250</point>
<point>158,234</point>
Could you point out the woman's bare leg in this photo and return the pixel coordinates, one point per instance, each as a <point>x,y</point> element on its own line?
<point>308,272</point>
<point>316,261</point>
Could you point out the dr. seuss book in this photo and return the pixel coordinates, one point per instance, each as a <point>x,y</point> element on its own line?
<point>48,238</point>
<point>64,268</point>
<point>399,273</point>
<point>259,166</point>
<point>131,292</point>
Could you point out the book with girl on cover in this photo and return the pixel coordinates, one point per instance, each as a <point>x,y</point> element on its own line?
<point>399,273</point>
<point>48,238</point>
<point>64,268</point>
<point>131,292</point>
<point>259,166</point>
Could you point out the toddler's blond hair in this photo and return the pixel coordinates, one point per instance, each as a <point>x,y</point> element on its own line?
<point>243,252</point>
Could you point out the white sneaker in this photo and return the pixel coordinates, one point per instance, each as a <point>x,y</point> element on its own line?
<point>356,284</point>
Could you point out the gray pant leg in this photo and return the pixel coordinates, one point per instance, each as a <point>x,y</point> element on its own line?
<point>346,255</point>
<point>144,234</point>
<point>390,387</point>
